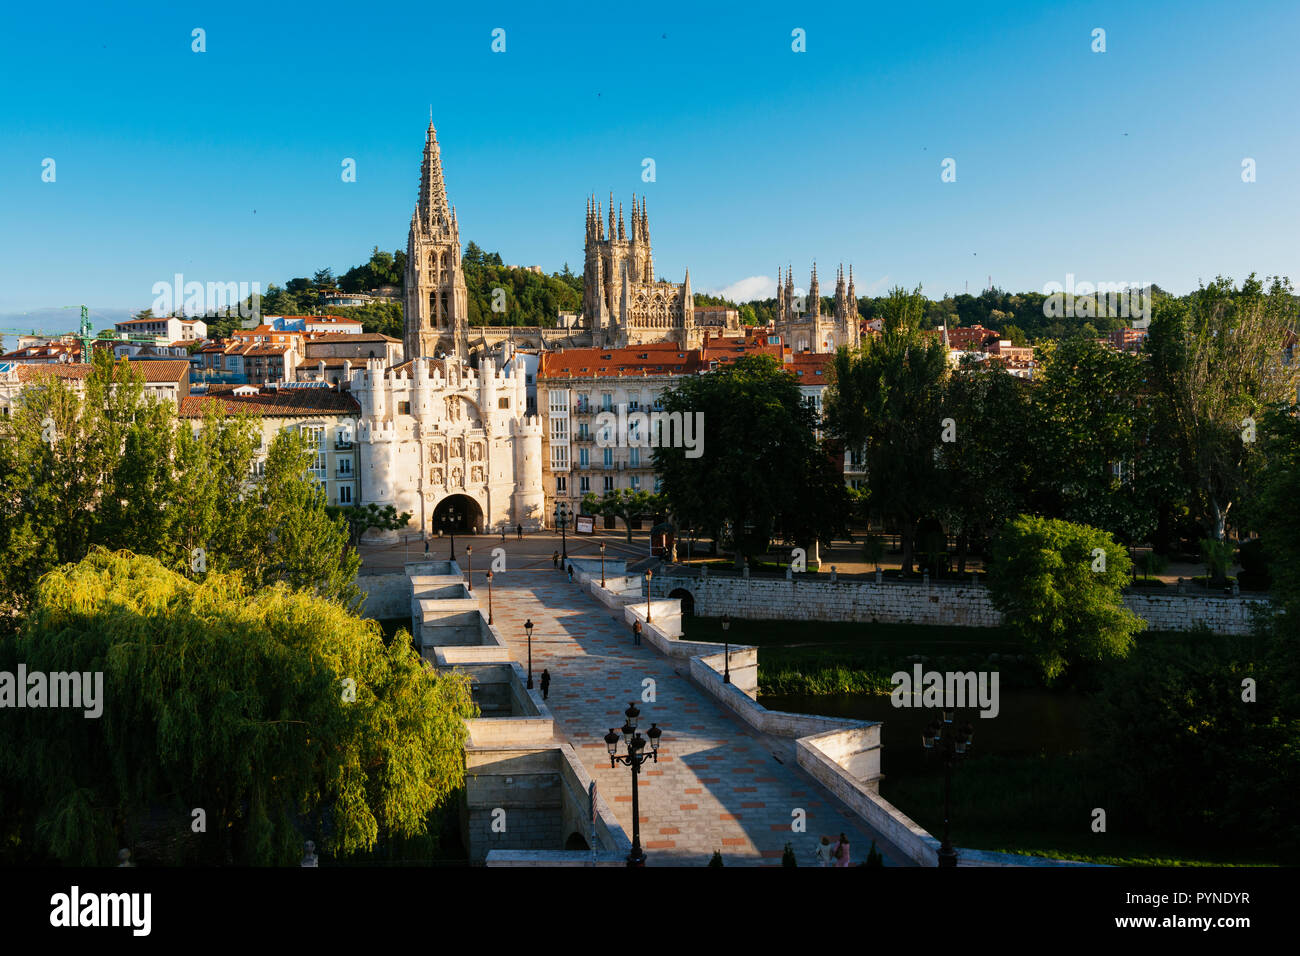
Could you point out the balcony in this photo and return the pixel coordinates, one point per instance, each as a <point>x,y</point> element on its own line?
<point>344,472</point>
<point>342,444</point>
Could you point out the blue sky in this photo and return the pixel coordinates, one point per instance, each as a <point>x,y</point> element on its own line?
<point>225,165</point>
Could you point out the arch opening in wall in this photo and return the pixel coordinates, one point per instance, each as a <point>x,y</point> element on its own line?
<point>687,599</point>
<point>576,842</point>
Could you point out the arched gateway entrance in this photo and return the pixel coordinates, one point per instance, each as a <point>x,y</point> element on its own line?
<point>457,513</point>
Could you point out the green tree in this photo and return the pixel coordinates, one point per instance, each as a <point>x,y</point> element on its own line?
<point>277,713</point>
<point>623,503</point>
<point>1059,587</point>
<point>1217,361</point>
<point>983,478</point>
<point>886,399</point>
<point>360,519</point>
<point>1104,457</point>
<point>291,538</point>
<point>1179,749</point>
<point>1273,509</point>
<point>758,468</point>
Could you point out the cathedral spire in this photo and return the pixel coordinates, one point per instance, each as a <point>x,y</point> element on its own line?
<point>621,235</point>
<point>612,233</point>
<point>433,191</point>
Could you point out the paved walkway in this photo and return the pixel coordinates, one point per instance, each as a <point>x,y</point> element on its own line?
<point>718,785</point>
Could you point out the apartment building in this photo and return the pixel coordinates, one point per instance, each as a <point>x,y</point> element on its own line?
<point>327,416</point>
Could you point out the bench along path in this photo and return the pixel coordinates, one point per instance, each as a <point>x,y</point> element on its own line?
<point>718,785</point>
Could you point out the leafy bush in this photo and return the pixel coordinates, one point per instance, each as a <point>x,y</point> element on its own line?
<point>787,856</point>
<point>1059,587</point>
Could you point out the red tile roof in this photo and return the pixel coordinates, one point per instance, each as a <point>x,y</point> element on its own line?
<point>154,370</point>
<point>268,403</point>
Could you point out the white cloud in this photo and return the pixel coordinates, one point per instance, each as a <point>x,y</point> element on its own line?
<point>747,290</point>
<point>874,289</point>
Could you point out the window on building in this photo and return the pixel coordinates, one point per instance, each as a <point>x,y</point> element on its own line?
<point>559,429</point>
<point>658,484</point>
<point>607,401</point>
<point>584,484</point>
<point>609,457</point>
<point>561,485</point>
<point>345,494</point>
<point>582,458</point>
<point>503,403</point>
<point>636,482</point>
<point>582,431</point>
<point>559,457</point>
<point>634,457</point>
<point>403,408</point>
<point>559,401</point>
<point>609,483</point>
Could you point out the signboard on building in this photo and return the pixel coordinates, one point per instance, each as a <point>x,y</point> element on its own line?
<point>584,524</point>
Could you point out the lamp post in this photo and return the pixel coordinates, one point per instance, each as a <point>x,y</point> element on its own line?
<point>528,629</point>
<point>951,744</point>
<point>726,659</point>
<point>602,564</point>
<point>449,521</point>
<point>489,581</point>
<point>562,519</point>
<point>469,567</point>
<point>634,758</point>
<point>648,575</point>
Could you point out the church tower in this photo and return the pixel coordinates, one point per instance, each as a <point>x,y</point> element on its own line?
<point>437,304</point>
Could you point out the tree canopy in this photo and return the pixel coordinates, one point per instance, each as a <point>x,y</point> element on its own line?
<point>276,714</point>
<point>1059,587</point>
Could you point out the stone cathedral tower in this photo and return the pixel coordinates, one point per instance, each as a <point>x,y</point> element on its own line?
<point>801,321</point>
<point>437,305</point>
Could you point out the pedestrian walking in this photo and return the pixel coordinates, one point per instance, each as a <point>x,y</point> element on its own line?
<point>570,574</point>
<point>546,684</point>
<point>636,632</point>
<point>555,560</point>
<point>842,851</point>
<point>519,529</point>
<point>823,852</point>
<point>503,534</point>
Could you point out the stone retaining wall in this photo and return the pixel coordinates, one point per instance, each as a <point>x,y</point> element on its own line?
<point>966,605</point>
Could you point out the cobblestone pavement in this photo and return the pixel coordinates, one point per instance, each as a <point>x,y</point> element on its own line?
<point>718,785</point>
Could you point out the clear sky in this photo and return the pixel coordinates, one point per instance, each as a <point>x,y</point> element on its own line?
<point>225,165</point>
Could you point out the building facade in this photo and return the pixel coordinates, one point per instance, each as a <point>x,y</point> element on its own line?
<point>327,417</point>
<point>450,444</point>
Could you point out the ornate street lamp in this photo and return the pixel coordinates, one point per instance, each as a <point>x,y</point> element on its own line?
<point>726,666</point>
<point>449,520</point>
<point>648,575</point>
<point>469,565</point>
<point>951,744</point>
<point>635,757</point>
<point>562,520</point>
<point>489,581</point>
<point>528,629</point>
<point>602,564</point>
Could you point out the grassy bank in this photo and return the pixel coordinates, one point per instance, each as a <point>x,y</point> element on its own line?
<point>814,657</point>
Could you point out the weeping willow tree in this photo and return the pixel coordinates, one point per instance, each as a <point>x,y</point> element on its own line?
<point>239,723</point>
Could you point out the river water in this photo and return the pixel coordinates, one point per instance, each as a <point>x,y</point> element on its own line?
<point>1028,722</point>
